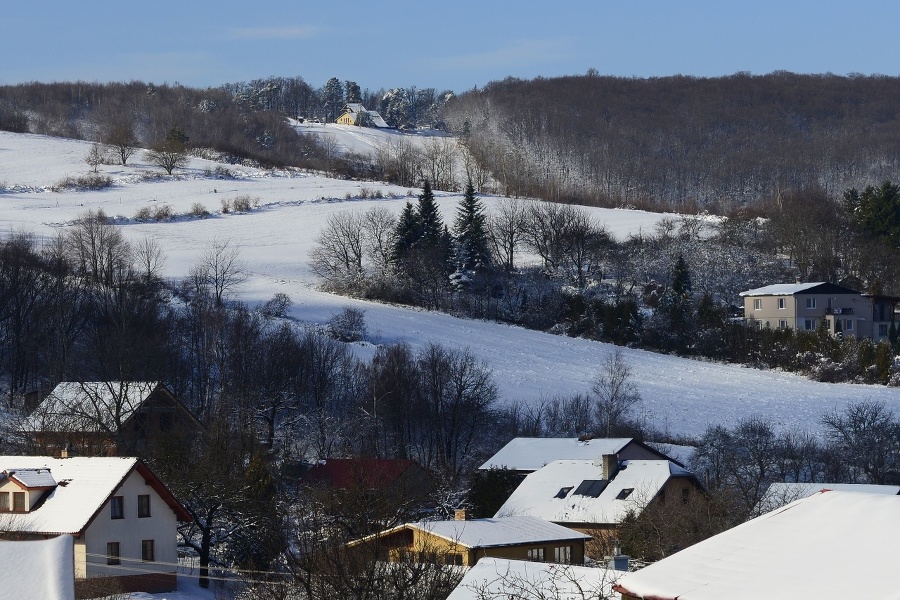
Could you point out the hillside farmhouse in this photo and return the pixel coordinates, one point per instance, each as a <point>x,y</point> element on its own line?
<point>463,541</point>
<point>807,306</point>
<point>108,418</point>
<point>828,546</point>
<point>594,496</point>
<point>121,517</point>
<point>357,114</point>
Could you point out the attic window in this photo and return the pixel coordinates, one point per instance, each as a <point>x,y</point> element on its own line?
<point>592,488</point>
<point>563,492</point>
<point>624,493</point>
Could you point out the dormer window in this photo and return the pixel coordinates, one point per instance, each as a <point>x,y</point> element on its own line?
<point>19,502</point>
<point>4,501</point>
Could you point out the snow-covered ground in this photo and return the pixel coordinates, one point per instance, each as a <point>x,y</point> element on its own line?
<point>680,396</point>
<point>364,141</point>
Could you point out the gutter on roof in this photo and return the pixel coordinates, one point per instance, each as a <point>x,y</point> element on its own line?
<point>618,587</point>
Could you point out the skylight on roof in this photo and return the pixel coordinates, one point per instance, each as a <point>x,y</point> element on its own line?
<point>563,492</point>
<point>592,488</point>
<point>624,493</point>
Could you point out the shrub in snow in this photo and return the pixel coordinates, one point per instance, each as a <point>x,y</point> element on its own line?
<point>349,325</point>
<point>277,307</point>
<point>198,210</point>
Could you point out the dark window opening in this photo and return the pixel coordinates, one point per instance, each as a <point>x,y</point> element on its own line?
<point>143,505</point>
<point>147,551</point>
<point>112,553</point>
<point>624,493</point>
<point>117,507</point>
<point>563,492</point>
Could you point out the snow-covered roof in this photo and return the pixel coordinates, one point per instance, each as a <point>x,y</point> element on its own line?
<point>782,493</point>
<point>39,568</point>
<point>83,486</point>
<point>377,119</point>
<point>831,545</point>
<point>530,454</point>
<point>355,107</point>
<point>502,578</point>
<point>781,289</point>
<point>89,406</point>
<point>31,478</point>
<point>504,531</point>
<point>789,289</point>
<point>574,491</point>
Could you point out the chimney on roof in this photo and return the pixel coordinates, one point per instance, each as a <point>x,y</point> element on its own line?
<point>461,514</point>
<point>618,561</point>
<point>609,464</point>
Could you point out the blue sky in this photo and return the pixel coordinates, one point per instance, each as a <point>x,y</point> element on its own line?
<point>455,44</point>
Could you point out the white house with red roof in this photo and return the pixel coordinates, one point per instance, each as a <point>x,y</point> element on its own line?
<point>122,518</point>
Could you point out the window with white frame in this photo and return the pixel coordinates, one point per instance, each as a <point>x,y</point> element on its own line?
<point>782,303</point>
<point>536,554</point>
<point>757,304</point>
<point>809,324</point>
<point>848,325</point>
<point>782,324</point>
<point>563,554</point>
<point>810,303</point>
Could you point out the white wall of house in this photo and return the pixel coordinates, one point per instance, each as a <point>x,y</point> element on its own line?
<point>130,531</point>
<point>806,312</point>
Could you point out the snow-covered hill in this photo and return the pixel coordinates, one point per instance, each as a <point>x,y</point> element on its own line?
<point>364,141</point>
<point>681,396</point>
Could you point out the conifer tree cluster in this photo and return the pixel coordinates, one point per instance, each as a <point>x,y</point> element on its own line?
<point>421,240</point>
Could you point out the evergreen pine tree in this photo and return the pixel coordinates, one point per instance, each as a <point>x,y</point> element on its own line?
<point>429,217</point>
<point>681,277</point>
<point>406,235</point>
<point>470,232</point>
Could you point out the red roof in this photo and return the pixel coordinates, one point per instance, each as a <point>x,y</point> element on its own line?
<point>358,472</point>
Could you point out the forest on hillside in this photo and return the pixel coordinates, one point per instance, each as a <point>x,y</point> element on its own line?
<point>682,143</point>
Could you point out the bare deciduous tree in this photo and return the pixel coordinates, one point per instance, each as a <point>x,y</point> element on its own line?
<point>220,270</point>
<point>615,393</point>
<point>121,138</point>
<point>506,228</point>
<point>869,437</point>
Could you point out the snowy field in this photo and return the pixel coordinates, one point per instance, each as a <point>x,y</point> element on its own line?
<point>681,396</point>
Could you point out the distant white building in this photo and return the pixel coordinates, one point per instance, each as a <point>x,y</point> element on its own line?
<point>121,517</point>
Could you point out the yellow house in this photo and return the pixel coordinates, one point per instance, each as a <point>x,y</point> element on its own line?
<point>463,541</point>
<point>357,114</point>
